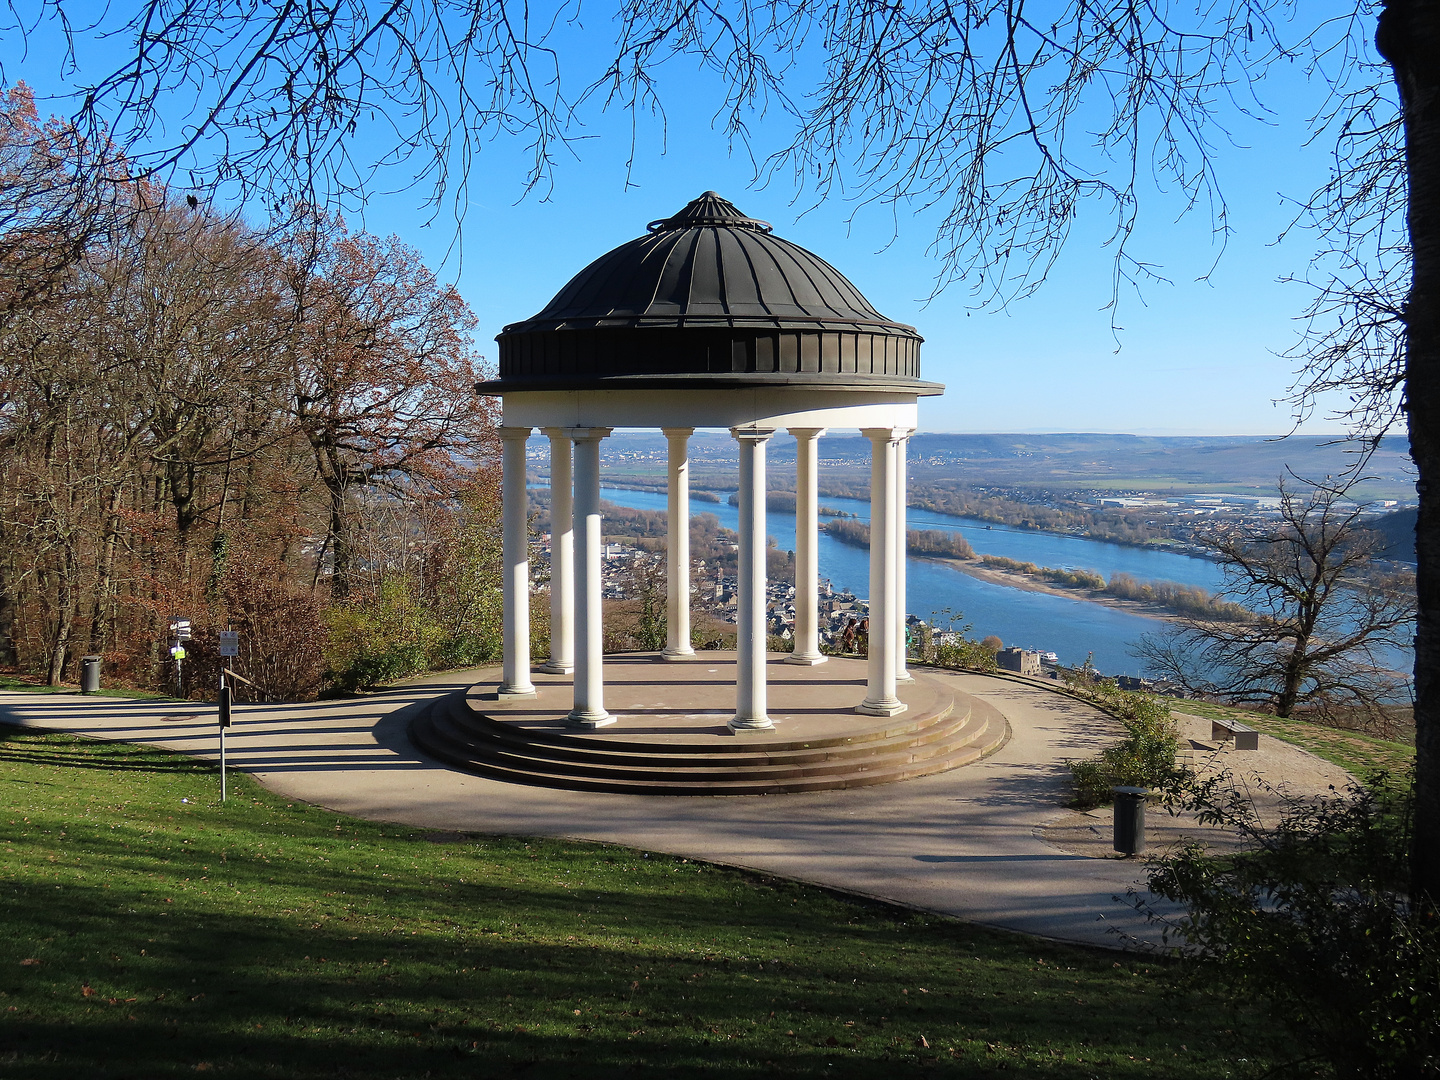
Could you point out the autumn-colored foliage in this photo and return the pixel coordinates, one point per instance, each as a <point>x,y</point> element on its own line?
<point>262,430</point>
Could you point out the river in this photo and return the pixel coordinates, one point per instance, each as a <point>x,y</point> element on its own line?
<point>1070,628</point>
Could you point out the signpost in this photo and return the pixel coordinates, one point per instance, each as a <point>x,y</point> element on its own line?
<point>179,634</point>
<point>229,646</point>
<point>224,723</point>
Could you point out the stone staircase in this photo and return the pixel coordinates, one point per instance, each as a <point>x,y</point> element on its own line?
<point>472,732</point>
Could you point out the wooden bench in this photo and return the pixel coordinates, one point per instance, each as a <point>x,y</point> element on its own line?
<point>1246,738</point>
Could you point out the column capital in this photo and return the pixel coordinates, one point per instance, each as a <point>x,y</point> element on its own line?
<point>678,432</point>
<point>586,434</point>
<point>886,434</point>
<point>554,432</point>
<point>752,434</point>
<point>807,433</point>
<point>510,431</point>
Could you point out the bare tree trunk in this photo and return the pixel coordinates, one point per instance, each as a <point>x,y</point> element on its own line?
<point>64,620</point>
<point>339,542</point>
<point>1295,667</point>
<point>184,499</point>
<point>9,656</point>
<point>105,578</point>
<point>1409,38</point>
<point>9,584</point>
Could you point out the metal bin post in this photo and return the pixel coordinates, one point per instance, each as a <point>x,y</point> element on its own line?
<point>1129,819</point>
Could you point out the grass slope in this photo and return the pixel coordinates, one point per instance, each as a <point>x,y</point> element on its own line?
<point>1351,750</point>
<point>151,932</point>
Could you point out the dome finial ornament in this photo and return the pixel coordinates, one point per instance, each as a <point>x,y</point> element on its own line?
<point>709,210</point>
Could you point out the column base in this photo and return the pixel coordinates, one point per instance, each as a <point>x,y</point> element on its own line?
<point>903,676</point>
<point>525,690</point>
<point>552,668</point>
<point>678,654</point>
<point>750,723</point>
<point>591,719</point>
<point>805,661</point>
<point>881,708</point>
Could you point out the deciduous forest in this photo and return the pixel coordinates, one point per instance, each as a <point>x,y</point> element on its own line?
<point>268,428</point>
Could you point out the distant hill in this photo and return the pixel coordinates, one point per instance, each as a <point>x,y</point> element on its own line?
<point>1399,532</point>
<point>1162,464</point>
<point>1157,463</point>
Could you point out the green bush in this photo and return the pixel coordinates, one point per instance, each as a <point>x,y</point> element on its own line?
<point>382,637</point>
<point>1146,756</point>
<point>942,643</point>
<point>960,654</point>
<point>1315,921</point>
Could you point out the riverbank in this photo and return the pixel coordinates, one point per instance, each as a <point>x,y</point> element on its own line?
<point>1011,579</point>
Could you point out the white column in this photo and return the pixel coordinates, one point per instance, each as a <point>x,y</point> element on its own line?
<point>807,543</point>
<point>589,710</point>
<point>880,699</point>
<point>562,557</point>
<point>902,544</point>
<point>750,640</point>
<point>515,670</point>
<point>677,547</point>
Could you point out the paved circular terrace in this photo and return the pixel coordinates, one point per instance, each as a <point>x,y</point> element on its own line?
<point>965,842</point>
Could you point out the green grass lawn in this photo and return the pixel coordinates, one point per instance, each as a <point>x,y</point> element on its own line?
<point>151,931</point>
<point>25,686</point>
<point>1352,750</point>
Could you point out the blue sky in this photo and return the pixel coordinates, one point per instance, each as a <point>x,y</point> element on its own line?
<point>1194,357</point>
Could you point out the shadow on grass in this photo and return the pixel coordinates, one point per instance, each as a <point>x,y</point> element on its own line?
<point>257,994</point>
<point>18,746</point>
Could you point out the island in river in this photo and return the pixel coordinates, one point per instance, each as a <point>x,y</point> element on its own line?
<point>1015,579</point>
<point>1152,599</point>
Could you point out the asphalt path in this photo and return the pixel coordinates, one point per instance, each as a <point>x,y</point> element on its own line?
<point>964,843</point>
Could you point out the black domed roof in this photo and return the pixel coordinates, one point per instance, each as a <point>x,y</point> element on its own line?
<point>708,294</point>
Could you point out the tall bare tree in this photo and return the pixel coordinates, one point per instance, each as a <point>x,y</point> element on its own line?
<point>381,372</point>
<point>1325,617</point>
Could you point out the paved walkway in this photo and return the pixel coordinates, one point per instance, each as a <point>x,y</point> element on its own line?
<point>964,843</point>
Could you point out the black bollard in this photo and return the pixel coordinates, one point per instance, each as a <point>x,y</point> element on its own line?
<point>1129,819</point>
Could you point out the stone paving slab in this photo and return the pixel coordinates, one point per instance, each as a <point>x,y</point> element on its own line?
<point>965,843</point>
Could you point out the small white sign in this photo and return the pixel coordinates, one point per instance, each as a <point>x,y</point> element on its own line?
<point>180,629</point>
<point>229,642</point>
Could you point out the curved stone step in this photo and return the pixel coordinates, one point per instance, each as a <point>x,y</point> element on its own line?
<point>746,750</point>
<point>991,736</point>
<point>476,699</point>
<point>529,743</point>
<point>458,738</point>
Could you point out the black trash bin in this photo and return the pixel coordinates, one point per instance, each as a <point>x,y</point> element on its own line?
<point>89,674</point>
<point>1130,819</point>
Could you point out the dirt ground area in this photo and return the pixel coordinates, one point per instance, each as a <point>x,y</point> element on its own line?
<point>1265,776</point>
